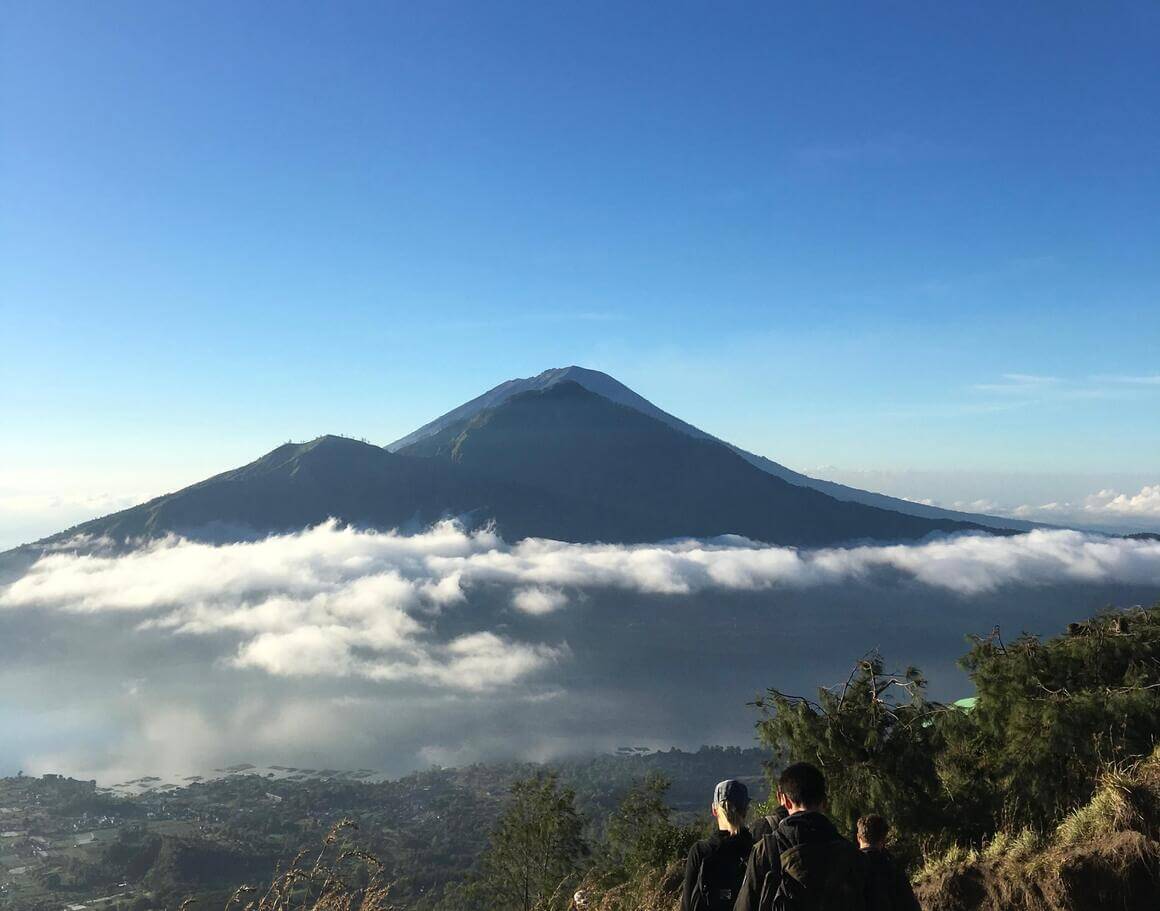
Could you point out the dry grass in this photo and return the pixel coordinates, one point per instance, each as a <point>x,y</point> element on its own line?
<point>324,884</point>
<point>953,858</point>
<point>1105,854</point>
<point>651,893</point>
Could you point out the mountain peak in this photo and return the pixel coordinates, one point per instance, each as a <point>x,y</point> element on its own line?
<point>333,442</point>
<point>573,372</point>
<point>594,381</point>
<point>610,388</point>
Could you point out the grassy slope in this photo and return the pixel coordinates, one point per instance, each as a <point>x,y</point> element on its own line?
<point>1105,854</point>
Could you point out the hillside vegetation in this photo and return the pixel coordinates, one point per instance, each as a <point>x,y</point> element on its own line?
<point>152,844</point>
<point>1105,854</point>
<point>1042,793</point>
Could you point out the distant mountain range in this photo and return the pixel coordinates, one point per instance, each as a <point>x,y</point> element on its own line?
<point>571,454</point>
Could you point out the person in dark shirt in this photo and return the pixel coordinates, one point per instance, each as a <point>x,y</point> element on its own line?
<point>887,888</point>
<point>804,862</point>
<point>716,865</point>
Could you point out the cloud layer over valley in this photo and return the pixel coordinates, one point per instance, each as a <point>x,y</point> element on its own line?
<point>376,642</point>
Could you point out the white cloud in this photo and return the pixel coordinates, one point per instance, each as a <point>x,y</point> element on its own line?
<point>1144,503</point>
<point>1104,505</point>
<point>335,602</point>
<point>324,602</point>
<point>1107,508</point>
<point>539,600</point>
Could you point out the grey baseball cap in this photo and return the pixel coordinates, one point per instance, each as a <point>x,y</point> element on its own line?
<point>732,792</point>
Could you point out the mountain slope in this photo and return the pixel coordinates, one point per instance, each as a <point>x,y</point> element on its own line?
<point>615,391</point>
<point>562,463</point>
<point>648,480</point>
<point>299,485</point>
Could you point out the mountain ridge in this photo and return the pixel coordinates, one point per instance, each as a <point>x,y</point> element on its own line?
<point>547,457</point>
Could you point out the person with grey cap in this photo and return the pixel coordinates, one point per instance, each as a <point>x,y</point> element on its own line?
<point>716,865</point>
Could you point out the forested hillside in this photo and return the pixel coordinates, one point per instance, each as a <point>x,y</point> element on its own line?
<point>1042,793</point>
<point>67,840</point>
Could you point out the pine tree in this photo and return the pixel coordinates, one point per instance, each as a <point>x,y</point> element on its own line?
<point>873,739</point>
<point>641,834</point>
<point>534,852</point>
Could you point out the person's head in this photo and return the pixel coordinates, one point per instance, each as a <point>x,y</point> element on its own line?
<point>801,787</point>
<point>872,831</point>
<point>730,804</point>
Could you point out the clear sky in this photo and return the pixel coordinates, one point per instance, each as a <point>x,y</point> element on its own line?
<point>911,239</point>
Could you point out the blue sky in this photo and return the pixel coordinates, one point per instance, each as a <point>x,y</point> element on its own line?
<point>907,240</point>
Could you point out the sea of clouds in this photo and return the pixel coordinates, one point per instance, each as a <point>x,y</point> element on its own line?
<point>320,630</point>
<point>338,601</point>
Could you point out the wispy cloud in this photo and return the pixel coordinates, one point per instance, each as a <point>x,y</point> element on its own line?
<point>1029,388</point>
<point>1020,384</point>
<point>1015,391</point>
<point>1145,380</point>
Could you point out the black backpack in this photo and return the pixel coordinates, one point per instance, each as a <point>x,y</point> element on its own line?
<point>719,881</point>
<point>887,888</point>
<point>818,876</point>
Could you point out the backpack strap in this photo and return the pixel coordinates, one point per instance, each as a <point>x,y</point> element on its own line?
<point>769,885</point>
<point>701,892</point>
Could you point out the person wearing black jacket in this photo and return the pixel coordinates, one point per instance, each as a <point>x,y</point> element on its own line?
<point>804,858</point>
<point>887,888</point>
<point>716,865</point>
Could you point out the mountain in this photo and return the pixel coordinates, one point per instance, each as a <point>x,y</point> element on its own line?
<point>549,457</point>
<point>648,480</point>
<point>299,485</point>
<point>615,391</point>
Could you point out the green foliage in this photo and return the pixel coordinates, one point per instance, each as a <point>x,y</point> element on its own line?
<point>641,835</point>
<point>1049,715</point>
<point>873,740</point>
<point>535,851</point>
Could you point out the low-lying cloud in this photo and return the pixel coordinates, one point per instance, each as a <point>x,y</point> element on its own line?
<point>1102,505</point>
<point>1106,508</point>
<point>337,602</point>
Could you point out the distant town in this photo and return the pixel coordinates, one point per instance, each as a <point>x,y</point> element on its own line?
<point>151,842</point>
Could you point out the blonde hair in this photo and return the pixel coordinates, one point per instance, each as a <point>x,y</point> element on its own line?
<point>734,815</point>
